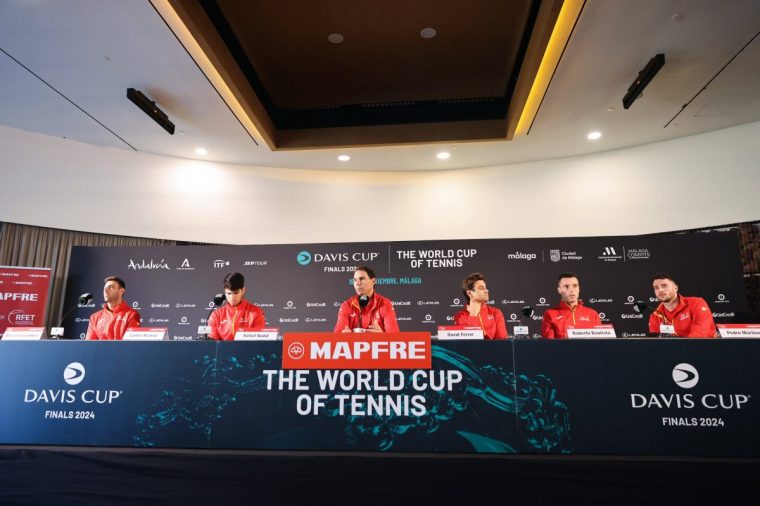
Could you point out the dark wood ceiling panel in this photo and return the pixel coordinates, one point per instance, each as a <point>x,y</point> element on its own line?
<point>383,58</point>
<point>384,79</point>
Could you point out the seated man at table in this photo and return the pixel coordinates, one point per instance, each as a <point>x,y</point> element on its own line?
<point>477,313</point>
<point>570,312</point>
<point>688,316</point>
<point>367,311</point>
<point>111,322</point>
<point>237,313</point>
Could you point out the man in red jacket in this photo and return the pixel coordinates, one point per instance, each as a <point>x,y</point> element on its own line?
<point>570,312</point>
<point>111,322</point>
<point>237,313</point>
<point>478,313</point>
<point>679,316</point>
<point>367,311</point>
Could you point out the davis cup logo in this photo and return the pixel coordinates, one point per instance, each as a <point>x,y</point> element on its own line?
<point>74,373</point>
<point>303,258</point>
<point>685,375</point>
<point>296,351</point>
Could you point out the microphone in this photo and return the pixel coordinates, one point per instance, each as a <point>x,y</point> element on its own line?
<point>57,332</point>
<point>522,331</point>
<point>363,301</point>
<point>205,330</point>
<point>527,311</point>
<point>641,306</point>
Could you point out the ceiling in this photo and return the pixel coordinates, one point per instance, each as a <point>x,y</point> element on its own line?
<point>65,68</point>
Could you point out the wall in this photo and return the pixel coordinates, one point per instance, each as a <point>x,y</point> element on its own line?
<point>698,181</point>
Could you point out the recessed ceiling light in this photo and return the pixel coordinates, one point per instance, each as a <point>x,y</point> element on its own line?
<point>428,33</point>
<point>201,151</point>
<point>344,158</point>
<point>592,136</point>
<point>443,155</point>
<point>335,38</point>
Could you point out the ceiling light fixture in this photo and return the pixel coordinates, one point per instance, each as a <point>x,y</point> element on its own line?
<point>335,38</point>
<point>443,155</point>
<point>201,151</point>
<point>428,33</point>
<point>344,158</point>
<point>592,136</point>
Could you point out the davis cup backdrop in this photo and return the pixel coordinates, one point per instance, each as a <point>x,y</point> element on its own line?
<point>300,287</point>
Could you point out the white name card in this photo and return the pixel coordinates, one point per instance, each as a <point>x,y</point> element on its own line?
<point>269,334</point>
<point>667,330</point>
<point>521,332</point>
<point>739,330</point>
<point>145,334</point>
<point>24,334</point>
<point>459,332</point>
<point>598,332</point>
<point>204,330</point>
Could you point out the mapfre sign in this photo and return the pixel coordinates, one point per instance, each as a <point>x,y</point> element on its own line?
<point>321,350</point>
<point>23,296</point>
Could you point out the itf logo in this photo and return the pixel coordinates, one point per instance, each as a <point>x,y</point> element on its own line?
<point>304,258</point>
<point>685,375</point>
<point>74,373</point>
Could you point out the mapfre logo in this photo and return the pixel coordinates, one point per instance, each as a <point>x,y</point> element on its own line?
<point>393,350</point>
<point>685,375</point>
<point>73,374</point>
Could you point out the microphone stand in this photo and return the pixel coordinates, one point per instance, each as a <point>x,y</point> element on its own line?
<point>85,298</point>
<point>218,301</point>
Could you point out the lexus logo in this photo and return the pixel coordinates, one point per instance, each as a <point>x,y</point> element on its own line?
<point>685,375</point>
<point>74,373</point>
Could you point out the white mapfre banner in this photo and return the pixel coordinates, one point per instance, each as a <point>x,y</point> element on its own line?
<point>23,296</point>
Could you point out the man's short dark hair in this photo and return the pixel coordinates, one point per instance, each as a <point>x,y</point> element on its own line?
<point>234,281</point>
<point>662,275</point>
<point>119,281</point>
<point>366,269</point>
<point>567,275</point>
<point>469,282</point>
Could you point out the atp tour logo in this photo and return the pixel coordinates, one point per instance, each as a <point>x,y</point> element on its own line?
<point>685,375</point>
<point>74,373</point>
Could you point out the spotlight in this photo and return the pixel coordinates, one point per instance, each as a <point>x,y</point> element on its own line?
<point>151,109</point>
<point>646,75</point>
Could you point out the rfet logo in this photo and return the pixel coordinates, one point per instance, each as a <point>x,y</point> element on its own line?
<point>317,350</point>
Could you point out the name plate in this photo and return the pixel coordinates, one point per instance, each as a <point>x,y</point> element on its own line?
<point>521,332</point>
<point>269,334</point>
<point>667,330</point>
<point>146,334</point>
<point>739,330</point>
<point>24,334</point>
<point>459,332</point>
<point>598,332</point>
<point>204,330</point>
